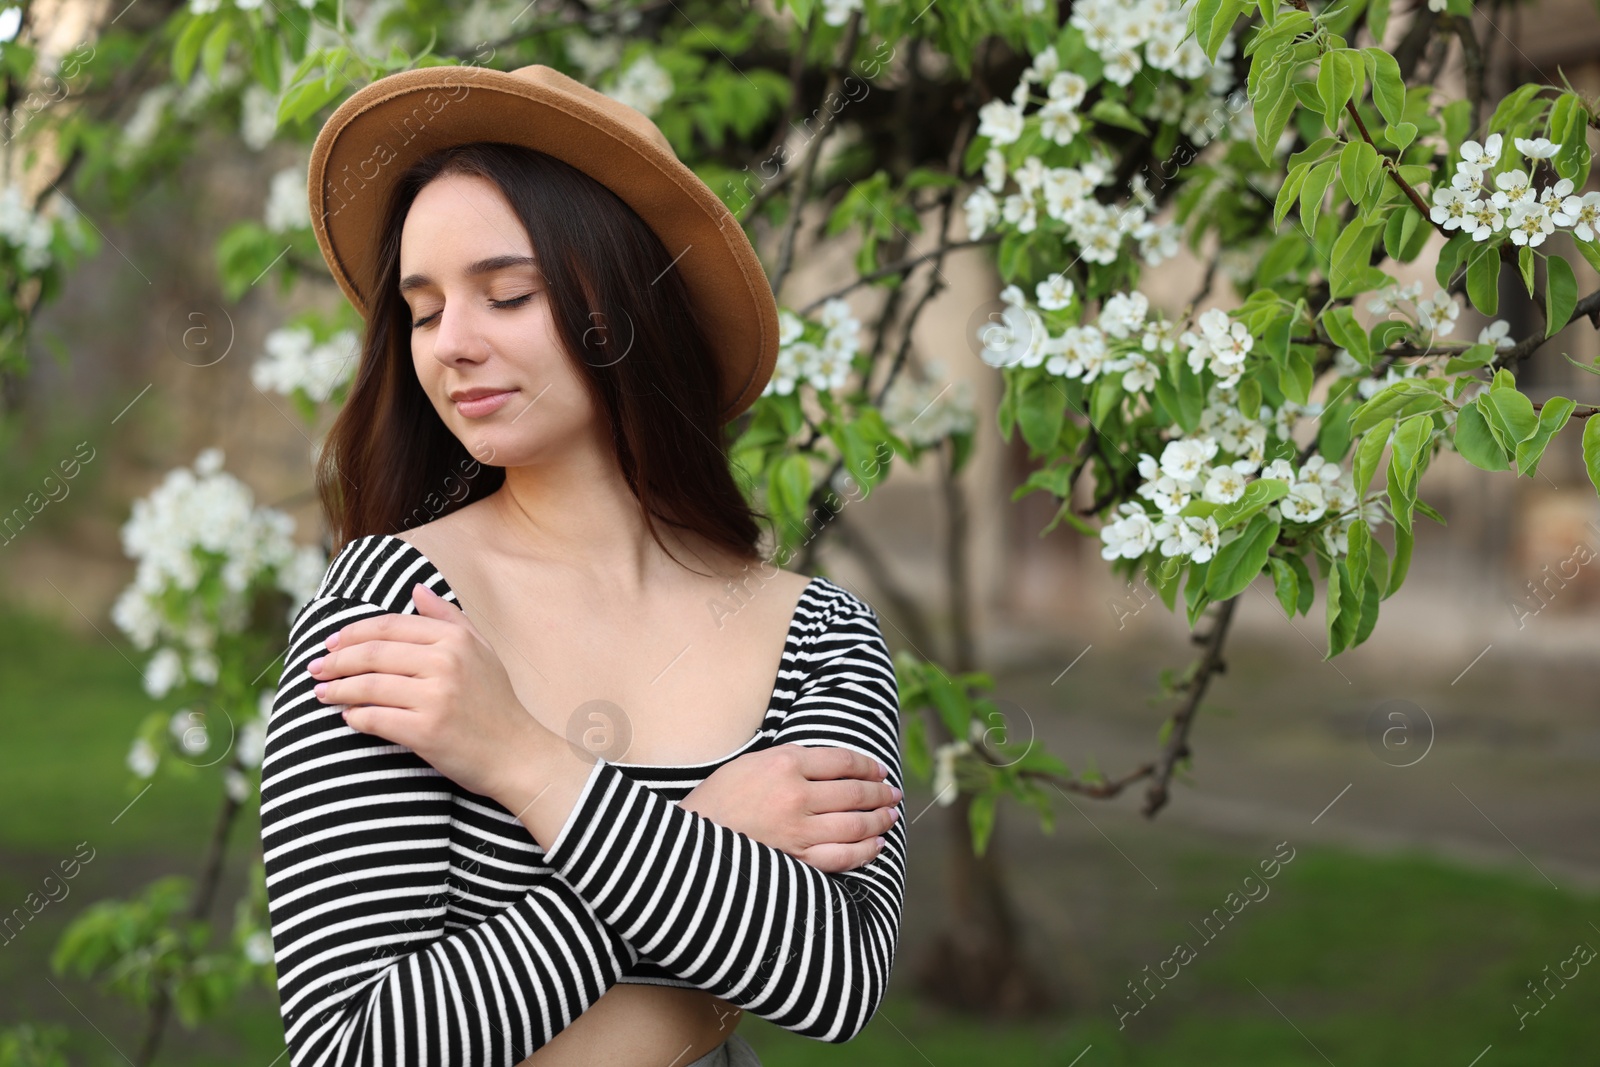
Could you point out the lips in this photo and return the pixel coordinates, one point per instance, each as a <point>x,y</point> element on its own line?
<point>476,403</point>
<point>479,392</point>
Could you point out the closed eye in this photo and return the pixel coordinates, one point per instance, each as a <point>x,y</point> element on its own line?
<point>513,302</point>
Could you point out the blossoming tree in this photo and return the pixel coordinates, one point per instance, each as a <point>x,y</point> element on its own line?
<point>1302,149</point>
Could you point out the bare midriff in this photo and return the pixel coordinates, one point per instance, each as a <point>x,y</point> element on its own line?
<point>642,1026</point>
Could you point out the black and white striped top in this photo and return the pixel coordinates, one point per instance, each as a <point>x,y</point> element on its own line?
<point>416,922</point>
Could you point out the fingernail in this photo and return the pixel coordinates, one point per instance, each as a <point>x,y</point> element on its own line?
<point>315,664</point>
<point>320,689</point>
<point>332,642</point>
<point>880,843</point>
<point>883,769</point>
<point>894,814</point>
<point>897,793</point>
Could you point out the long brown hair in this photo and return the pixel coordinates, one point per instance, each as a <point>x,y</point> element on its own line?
<point>389,462</point>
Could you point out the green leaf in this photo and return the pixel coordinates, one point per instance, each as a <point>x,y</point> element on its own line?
<point>1474,441</point>
<point>186,50</point>
<point>1352,252</point>
<point>981,818</point>
<point>1591,449</point>
<point>1403,540</point>
<point>1040,412</point>
<point>1370,595</point>
<point>1239,561</point>
<point>1343,627</point>
<point>1194,590</point>
<point>1312,192</point>
<point>789,490</point>
<point>1511,416</point>
<point>1369,452</point>
<point>1388,87</point>
<point>1340,322</point>
<point>1553,415</point>
<point>1525,265</point>
<point>1396,401</point>
<point>1296,377</point>
<point>1285,584</point>
<point>1483,277</point>
<point>1450,257</point>
<point>1400,135</point>
<point>1308,588</point>
<point>1590,250</point>
<point>1222,25</point>
<point>1360,544</point>
<point>1377,18</point>
<point>1560,294</point>
<point>1336,83</point>
<point>1289,191</point>
<point>1114,113</point>
<point>1410,441</point>
<point>1257,495</point>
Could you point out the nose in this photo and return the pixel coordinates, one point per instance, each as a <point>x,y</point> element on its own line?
<point>457,335</point>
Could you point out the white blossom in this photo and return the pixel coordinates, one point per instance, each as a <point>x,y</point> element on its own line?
<point>1582,213</point>
<point>925,413</point>
<point>288,207</point>
<point>1484,156</point>
<point>644,86</point>
<point>1450,207</point>
<point>1536,147</point>
<point>143,758</point>
<point>1055,292</point>
<point>258,948</point>
<point>1513,188</point>
<point>944,771</point>
<point>1304,502</point>
<point>294,361</point>
<point>1139,374</point>
<point>1530,223</point>
<point>1438,315</point>
<point>1224,485</point>
<point>1130,536</point>
<point>1000,122</point>
<point>1185,459</point>
<point>982,210</point>
<point>1497,334</point>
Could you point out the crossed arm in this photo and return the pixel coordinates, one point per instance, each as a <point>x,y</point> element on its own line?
<point>356,838</point>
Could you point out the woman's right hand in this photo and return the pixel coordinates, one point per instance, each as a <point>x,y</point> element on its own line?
<point>823,805</point>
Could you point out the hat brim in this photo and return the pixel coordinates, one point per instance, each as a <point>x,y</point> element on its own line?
<point>384,127</point>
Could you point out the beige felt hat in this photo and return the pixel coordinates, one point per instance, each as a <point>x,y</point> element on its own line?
<point>384,127</point>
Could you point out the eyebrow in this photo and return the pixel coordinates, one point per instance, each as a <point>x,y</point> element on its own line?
<point>482,266</point>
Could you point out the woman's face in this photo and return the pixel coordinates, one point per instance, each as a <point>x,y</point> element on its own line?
<point>482,341</point>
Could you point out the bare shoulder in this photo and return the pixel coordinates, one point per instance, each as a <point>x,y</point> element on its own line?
<point>457,527</point>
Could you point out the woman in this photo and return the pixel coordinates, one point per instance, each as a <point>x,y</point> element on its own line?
<point>460,868</point>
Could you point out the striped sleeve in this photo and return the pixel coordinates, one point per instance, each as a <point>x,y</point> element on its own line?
<point>806,950</point>
<point>356,846</point>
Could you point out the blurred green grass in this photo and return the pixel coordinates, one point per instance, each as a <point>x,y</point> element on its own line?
<point>1351,959</point>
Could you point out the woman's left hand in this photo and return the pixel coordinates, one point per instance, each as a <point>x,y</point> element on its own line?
<point>431,682</point>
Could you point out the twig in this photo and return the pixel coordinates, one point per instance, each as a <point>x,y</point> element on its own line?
<point>1588,307</point>
<point>898,267</point>
<point>808,167</point>
<point>1177,746</point>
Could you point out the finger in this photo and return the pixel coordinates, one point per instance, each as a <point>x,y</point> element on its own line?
<point>390,626</point>
<point>835,858</point>
<point>433,606</point>
<point>371,657</point>
<point>848,794</point>
<point>849,827</point>
<point>379,721</point>
<point>387,689</point>
<point>822,762</point>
